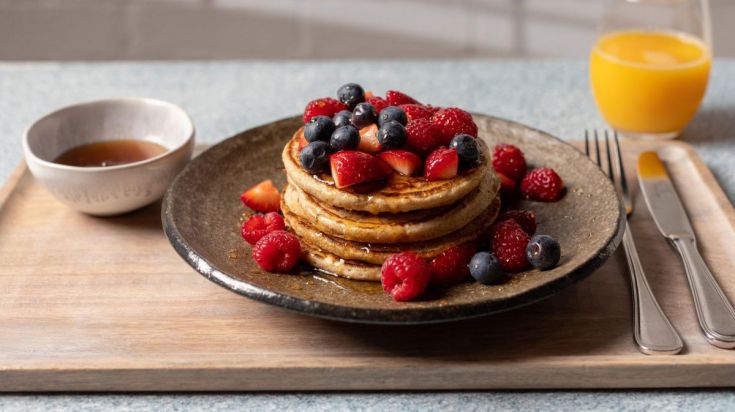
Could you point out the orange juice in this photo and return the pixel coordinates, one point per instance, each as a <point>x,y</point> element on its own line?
<point>649,82</point>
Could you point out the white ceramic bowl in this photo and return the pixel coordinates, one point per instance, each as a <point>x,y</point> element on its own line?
<point>110,190</point>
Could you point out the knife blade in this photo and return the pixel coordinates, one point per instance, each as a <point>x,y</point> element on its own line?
<point>714,311</point>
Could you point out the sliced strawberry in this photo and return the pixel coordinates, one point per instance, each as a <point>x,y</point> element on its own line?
<point>369,139</point>
<point>325,106</point>
<point>402,161</point>
<point>263,197</point>
<point>369,94</point>
<point>422,136</point>
<point>396,98</point>
<point>378,103</point>
<point>441,164</point>
<point>416,111</point>
<point>351,167</point>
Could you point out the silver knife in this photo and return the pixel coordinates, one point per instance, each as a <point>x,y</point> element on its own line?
<point>716,314</point>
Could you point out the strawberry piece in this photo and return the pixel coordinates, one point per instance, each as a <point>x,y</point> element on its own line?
<point>405,276</point>
<point>402,161</point>
<point>263,197</point>
<point>452,265</point>
<point>509,160</point>
<point>396,98</point>
<point>378,103</point>
<point>416,111</point>
<point>542,184</point>
<point>422,136</point>
<point>352,167</point>
<point>442,163</point>
<point>260,225</point>
<point>508,241</point>
<point>509,193</point>
<point>369,139</point>
<point>453,121</point>
<point>278,251</point>
<point>525,218</point>
<point>369,94</point>
<point>326,106</point>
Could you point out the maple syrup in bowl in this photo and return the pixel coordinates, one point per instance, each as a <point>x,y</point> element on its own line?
<point>110,156</point>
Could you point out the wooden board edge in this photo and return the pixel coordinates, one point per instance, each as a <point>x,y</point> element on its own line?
<point>12,182</point>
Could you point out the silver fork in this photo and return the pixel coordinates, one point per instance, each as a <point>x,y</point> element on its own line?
<point>652,330</point>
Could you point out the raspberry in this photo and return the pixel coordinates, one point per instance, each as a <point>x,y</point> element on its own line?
<point>509,160</point>
<point>260,225</point>
<point>416,111</point>
<point>542,184</point>
<point>395,98</point>
<point>508,242</point>
<point>525,218</point>
<point>453,121</point>
<point>378,103</point>
<point>452,265</point>
<point>405,276</point>
<point>278,251</point>
<point>422,136</point>
<point>326,106</point>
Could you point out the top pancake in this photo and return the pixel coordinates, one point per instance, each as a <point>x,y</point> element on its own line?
<point>400,194</point>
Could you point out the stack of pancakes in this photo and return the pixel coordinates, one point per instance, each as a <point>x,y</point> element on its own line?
<point>350,232</point>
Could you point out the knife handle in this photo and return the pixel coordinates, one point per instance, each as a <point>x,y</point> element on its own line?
<point>716,314</point>
<point>652,330</point>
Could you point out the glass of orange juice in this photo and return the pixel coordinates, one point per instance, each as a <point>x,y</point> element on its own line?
<point>650,65</point>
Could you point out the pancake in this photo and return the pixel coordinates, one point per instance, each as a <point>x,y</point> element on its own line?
<point>377,253</point>
<point>400,194</point>
<point>334,265</point>
<point>392,228</point>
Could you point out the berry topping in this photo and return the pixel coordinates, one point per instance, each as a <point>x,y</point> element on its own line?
<point>542,184</point>
<point>260,225</point>
<point>369,140</point>
<point>351,94</point>
<point>466,147</point>
<point>391,113</point>
<point>263,197</point>
<point>525,218</point>
<point>442,163</point>
<point>509,160</point>
<point>508,190</point>
<point>326,106</point>
<point>378,103</point>
<point>508,242</point>
<point>402,161</point>
<point>318,128</point>
<point>405,276</point>
<point>452,265</point>
<point>422,136</point>
<point>486,268</point>
<point>352,167</point>
<point>345,138</point>
<point>278,251</point>
<point>315,156</point>
<point>342,118</point>
<point>395,98</point>
<point>363,115</point>
<point>392,135</point>
<point>453,121</point>
<point>416,111</point>
<point>543,252</point>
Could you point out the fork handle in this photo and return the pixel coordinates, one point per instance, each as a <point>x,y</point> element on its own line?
<point>716,314</point>
<point>652,330</point>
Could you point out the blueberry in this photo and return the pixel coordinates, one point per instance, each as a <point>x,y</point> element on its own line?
<point>345,138</point>
<point>351,94</point>
<point>363,115</point>
<point>318,128</point>
<point>485,268</point>
<point>543,252</point>
<point>392,113</point>
<point>392,135</point>
<point>315,156</point>
<point>342,118</point>
<point>466,147</point>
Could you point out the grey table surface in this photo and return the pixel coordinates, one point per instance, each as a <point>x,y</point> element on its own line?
<point>224,98</point>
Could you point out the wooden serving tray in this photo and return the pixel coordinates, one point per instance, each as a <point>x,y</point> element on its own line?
<point>105,304</point>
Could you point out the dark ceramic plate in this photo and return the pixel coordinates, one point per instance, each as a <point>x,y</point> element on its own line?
<point>202,211</point>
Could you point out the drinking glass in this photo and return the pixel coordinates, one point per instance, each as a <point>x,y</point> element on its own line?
<point>650,65</point>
